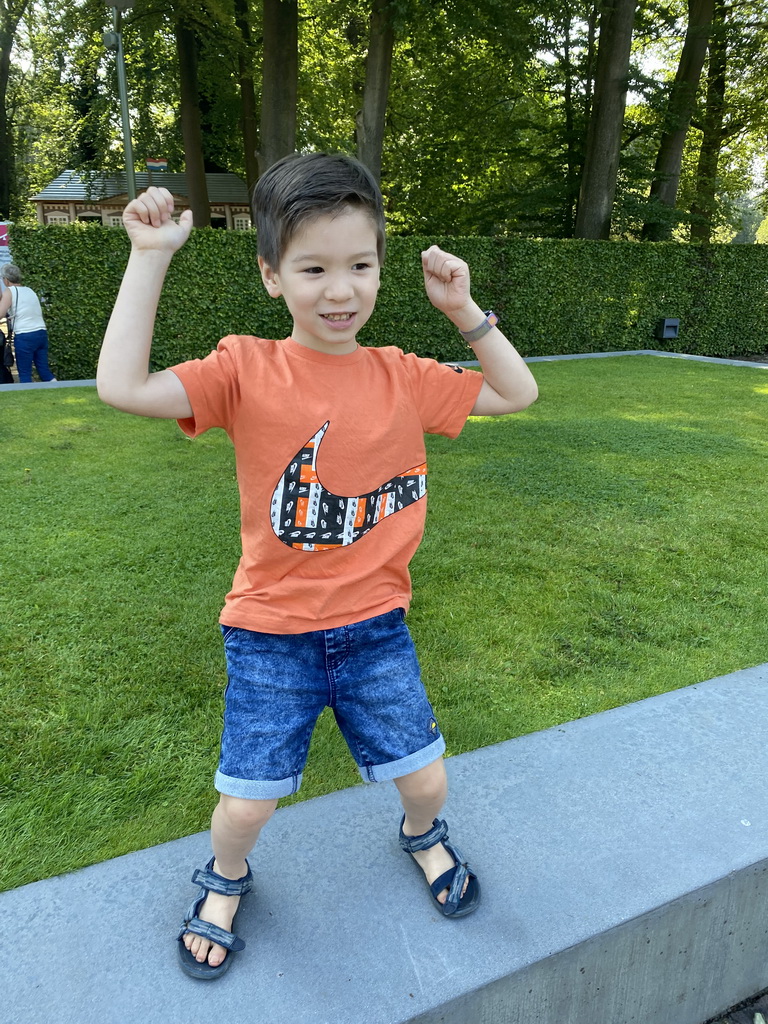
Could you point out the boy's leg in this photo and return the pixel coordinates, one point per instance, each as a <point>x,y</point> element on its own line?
<point>422,794</point>
<point>235,827</point>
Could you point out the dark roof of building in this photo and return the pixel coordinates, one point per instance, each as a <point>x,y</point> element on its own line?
<point>93,186</point>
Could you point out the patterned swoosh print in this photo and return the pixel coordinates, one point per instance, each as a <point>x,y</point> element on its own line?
<point>307,516</point>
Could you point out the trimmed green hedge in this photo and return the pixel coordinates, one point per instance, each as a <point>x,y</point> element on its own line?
<point>554,297</point>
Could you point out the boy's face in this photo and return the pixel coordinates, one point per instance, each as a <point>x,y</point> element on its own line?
<point>329,278</point>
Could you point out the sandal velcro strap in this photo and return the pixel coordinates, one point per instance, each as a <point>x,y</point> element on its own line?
<point>206,930</point>
<point>210,880</point>
<point>460,875</point>
<point>412,844</point>
<point>453,880</point>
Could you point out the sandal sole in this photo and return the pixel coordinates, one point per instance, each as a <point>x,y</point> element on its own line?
<point>201,971</point>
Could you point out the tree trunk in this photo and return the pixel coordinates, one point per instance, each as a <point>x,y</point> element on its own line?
<point>279,83</point>
<point>589,84</point>
<point>85,95</point>
<point>10,14</point>
<point>378,72</point>
<point>249,124</point>
<point>714,134</point>
<point>6,141</point>
<point>197,188</point>
<point>601,160</point>
<point>682,100</point>
<point>571,173</point>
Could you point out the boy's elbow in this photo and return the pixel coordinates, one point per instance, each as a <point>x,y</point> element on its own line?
<point>110,393</point>
<point>533,393</point>
<point>493,402</point>
<point>524,397</point>
<point>106,392</point>
<point>102,390</point>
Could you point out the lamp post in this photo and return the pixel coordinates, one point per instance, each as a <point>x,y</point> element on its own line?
<point>114,41</point>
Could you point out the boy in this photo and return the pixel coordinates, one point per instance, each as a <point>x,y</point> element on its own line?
<point>316,612</point>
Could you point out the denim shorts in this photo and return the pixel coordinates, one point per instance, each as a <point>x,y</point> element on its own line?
<point>278,684</point>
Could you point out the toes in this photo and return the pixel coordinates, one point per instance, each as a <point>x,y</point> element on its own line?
<point>202,950</point>
<point>443,896</point>
<point>197,946</point>
<point>216,955</point>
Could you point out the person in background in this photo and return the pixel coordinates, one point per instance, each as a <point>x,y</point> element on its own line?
<point>6,377</point>
<point>30,336</point>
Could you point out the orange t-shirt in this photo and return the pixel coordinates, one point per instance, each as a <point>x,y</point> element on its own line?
<point>331,466</point>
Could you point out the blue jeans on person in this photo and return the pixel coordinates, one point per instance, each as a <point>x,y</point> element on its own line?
<point>32,347</point>
<point>278,684</point>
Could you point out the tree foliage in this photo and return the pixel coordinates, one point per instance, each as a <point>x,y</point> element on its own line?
<point>480,119</point>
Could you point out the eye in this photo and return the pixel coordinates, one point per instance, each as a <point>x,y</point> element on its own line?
<point>361,266</point>
<point>312,270</point>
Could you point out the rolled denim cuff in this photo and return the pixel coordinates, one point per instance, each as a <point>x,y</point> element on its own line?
<point>249,789</point>
<point>404,765</point>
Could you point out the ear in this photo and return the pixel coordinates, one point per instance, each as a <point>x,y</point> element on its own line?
<point>270,279</point>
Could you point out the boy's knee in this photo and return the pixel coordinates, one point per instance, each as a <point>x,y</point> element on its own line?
<point>246,814</point>
<point>427,784</point>
<point>432,789</point>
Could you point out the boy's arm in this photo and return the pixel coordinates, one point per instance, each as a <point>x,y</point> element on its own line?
<point>508,384</point>
<point>123,378</point>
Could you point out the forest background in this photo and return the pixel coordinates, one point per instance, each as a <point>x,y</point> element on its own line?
<point>557,119</point>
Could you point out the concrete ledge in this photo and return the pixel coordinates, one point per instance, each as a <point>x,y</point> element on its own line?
<point>631,352</point>
<point>47,385</point>
<point>652,352</point>
<point>624,860</point>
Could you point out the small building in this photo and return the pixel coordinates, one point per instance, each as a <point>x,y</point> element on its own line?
<point>94,196</point>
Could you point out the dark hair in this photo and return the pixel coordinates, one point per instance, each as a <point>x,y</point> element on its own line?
<point>301,188</point>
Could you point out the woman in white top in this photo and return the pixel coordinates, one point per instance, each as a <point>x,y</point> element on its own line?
<point>30,337</point>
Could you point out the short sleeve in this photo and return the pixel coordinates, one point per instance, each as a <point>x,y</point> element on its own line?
<point>444,394</point>
<point>212,387</point>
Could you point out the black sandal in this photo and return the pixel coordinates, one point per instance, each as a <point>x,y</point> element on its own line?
<point>209,881</point>
<point>453,879</point>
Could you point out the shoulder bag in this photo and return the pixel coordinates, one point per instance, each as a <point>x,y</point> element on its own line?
<point>8,358</point>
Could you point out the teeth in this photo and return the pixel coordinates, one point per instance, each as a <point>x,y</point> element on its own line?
<point>336,316</point>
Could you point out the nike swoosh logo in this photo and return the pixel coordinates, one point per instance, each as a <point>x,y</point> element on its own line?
<point>307,516</point>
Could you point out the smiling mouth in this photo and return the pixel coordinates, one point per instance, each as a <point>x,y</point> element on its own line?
<point>337,317</point>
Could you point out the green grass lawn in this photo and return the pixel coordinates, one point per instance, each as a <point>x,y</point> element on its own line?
<point>606,545</point>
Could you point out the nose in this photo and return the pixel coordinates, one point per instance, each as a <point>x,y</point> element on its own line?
<point>339,287</point>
